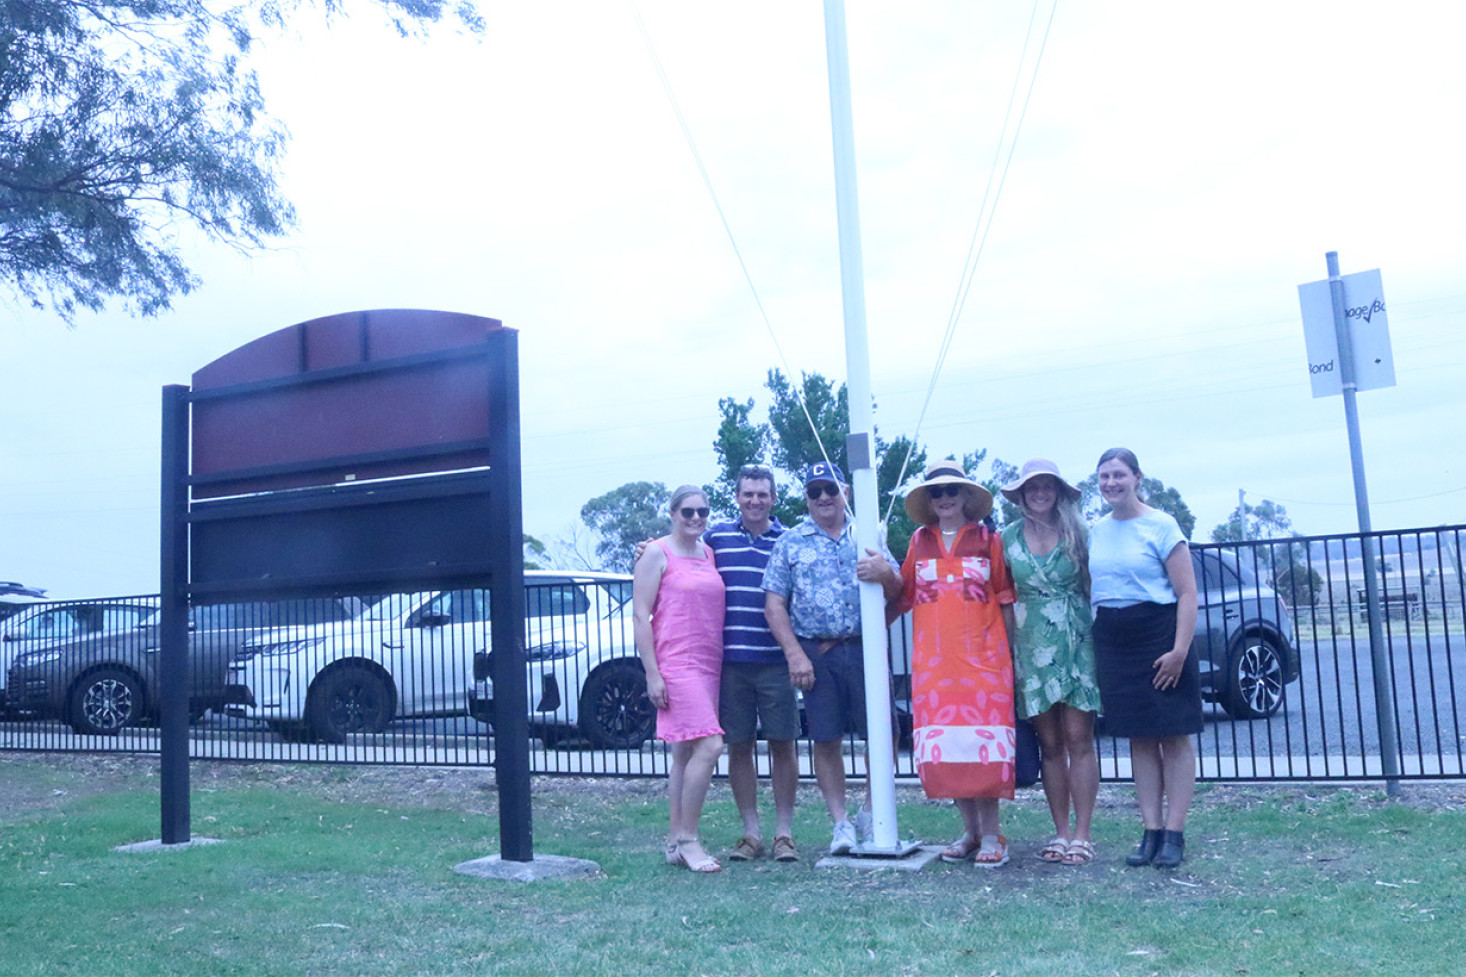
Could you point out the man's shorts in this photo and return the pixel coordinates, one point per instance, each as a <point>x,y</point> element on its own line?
<point>836,704</point>
<point>754,695</point>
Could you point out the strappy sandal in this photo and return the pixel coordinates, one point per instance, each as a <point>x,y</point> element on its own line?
<point>1055,851</point>
<point>992,857</point>
<point>702,865</point>
<point>961,850</point>
<point>1081,852</point>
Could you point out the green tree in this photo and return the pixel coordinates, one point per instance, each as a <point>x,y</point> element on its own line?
<point>624,517</point>
<point>787,444</point>
<point>900,526</point>
<point>1267,520</point>
<point>1152,490</point>
<point>1286,564</point>
<point>536,554</point>
<point>739,442</point>
<point>123,121</point>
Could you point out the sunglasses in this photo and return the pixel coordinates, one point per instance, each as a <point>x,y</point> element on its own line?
<point>944,491</point>
<point>689,512</point>
<point>822,489</point>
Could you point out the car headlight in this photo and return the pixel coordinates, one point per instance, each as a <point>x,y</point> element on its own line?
<point>553,651</point>
<point>37,658</point>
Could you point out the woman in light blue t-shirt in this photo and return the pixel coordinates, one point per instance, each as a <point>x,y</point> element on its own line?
<point>1143,590</point>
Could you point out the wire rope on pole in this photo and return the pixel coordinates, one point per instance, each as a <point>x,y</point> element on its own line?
<point>983,226</point>
<point>727,228</point>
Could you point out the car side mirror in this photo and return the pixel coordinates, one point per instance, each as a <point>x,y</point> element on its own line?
<point>434,620</point>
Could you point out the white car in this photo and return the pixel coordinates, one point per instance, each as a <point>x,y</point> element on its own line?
<point>585,678</point>
<point>410,655</point>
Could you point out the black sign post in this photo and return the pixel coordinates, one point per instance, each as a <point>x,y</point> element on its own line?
<point>367,452</point>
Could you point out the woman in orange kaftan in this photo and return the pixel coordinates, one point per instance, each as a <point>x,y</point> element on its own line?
<point>959,591</point>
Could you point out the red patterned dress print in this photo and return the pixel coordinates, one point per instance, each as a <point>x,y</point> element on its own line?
<point>961,669</point>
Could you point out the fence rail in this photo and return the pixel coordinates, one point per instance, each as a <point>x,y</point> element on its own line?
<point>1282,638</point>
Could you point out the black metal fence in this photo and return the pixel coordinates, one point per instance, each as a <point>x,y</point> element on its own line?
<point>1282,636</point>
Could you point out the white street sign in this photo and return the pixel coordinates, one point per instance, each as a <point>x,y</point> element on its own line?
<point>1369,332</point>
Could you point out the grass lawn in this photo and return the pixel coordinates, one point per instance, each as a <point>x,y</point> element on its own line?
<point>329,870</point>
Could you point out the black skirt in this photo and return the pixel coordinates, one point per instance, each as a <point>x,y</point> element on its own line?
<point>1127,641</point>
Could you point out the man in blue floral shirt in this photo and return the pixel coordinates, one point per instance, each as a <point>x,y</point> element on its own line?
<point>812,602</point>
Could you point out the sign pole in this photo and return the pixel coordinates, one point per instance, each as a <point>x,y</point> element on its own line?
<point>1384,701</point>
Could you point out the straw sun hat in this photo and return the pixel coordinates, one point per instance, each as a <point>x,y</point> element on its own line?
<point>977,501</point>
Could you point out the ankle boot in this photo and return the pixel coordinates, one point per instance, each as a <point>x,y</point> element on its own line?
<point>1173,848</point>
<point>1144,852</point>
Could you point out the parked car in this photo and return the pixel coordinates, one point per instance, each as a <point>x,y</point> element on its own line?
<point>16,597</point>
<point>56,621</point>
<point>1244,637</point>
<point>411,655</point>
<point>102,683</point>
<point>585,678</point>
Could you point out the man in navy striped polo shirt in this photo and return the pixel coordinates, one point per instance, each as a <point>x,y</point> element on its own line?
<point>755,689</point>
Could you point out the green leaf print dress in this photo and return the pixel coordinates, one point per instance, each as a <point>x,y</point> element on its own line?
<point>1053,657</point>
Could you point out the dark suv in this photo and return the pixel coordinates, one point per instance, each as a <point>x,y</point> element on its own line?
<point>1243,636</point>
<point>103,683</point>
<point>53,622</point>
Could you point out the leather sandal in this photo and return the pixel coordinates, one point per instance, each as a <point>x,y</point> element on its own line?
<point>1081,852</point>
<point>784,850</point>
<point>1055,850</point>
<point>706,863</point>
<point>992,857</point>
<point>961,850</point>
<point>747,849</point>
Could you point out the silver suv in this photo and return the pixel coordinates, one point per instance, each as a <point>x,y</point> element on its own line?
<point>1244,636</point>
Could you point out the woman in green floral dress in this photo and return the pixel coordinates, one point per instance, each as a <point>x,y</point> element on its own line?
<point>1053,651</point>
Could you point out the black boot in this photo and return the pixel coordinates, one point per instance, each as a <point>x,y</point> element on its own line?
<point>1144,852</point>
<point>1173,847</point>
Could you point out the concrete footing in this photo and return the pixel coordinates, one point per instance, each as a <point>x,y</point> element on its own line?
<point>540,867</point>
<point>157,845</point>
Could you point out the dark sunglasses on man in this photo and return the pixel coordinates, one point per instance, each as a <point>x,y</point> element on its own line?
<point>821,489</point>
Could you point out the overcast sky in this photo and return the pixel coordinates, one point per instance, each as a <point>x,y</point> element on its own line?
<point>1182,169</point>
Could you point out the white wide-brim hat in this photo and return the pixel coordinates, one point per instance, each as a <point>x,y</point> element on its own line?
<point>1032,468</point>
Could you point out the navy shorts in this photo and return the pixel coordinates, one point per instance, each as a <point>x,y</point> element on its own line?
<point>835,706</point>
<point>755,696</point>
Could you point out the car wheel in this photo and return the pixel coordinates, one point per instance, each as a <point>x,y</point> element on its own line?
<point>105,701</point>
<point>1254,679</point>
<point>615,713</point>
<point>347,701</point>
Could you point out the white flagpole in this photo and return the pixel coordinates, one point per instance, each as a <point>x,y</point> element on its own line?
<point>880,756</point>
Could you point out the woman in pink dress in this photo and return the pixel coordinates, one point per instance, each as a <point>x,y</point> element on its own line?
<point>677,600</point>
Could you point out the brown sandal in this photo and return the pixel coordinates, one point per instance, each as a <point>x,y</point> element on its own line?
<point>784,850</point>
<point>748,849</point>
